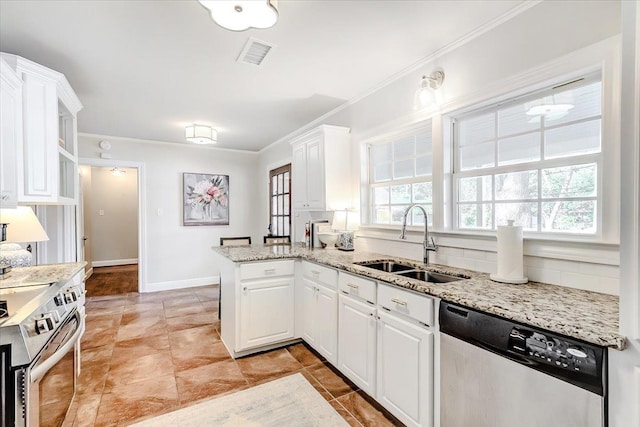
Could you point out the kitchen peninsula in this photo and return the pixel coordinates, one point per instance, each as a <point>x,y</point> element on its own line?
<point>585,315</point>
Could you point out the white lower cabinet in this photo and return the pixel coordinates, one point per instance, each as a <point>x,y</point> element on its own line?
<point>405,369</point>
<point>257,305</point>
<point>320,324</point>
<point>266,312</point>
<point>357,342</point>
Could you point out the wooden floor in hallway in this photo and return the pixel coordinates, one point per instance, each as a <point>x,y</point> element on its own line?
<point>114,280</point>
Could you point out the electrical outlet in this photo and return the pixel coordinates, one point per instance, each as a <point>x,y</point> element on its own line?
<point>101,212</point>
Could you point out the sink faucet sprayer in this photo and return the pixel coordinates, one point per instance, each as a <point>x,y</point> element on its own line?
<point>427,246</point>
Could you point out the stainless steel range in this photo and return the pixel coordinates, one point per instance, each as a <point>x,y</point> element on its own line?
<point>40,330</point>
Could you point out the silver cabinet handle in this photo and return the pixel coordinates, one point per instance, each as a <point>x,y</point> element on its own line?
<point>315,272</point>
<point>399,301</point>
<point>352,286</point>
<point>269,270</point>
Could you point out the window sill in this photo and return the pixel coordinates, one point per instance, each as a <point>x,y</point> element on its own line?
<point>556,247</point>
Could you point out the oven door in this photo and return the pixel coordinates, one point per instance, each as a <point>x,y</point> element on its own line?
<point>52,377</point>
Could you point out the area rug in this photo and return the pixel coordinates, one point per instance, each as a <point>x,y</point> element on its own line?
<point>288,401</point>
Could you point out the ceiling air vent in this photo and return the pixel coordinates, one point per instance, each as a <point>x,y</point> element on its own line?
<point>254,52</point>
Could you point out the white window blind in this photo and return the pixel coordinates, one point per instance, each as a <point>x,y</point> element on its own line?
<point>400,169</point>
<point>536,160</point>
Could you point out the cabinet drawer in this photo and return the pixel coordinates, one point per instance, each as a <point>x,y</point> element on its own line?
<point>357,286</point>
<point>324,275</point>
<point>260,270</point>
<point>398,300</point>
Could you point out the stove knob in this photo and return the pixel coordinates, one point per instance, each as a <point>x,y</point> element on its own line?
<point>44,324</point>
<point>58,300</point>
<point>55,316</point>
<point>70,297</point>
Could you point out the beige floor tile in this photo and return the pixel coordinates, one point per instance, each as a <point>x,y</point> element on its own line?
<point>138,369</point>
<point>209,380</point>
<point>264,366</point>
<point>132,401</point>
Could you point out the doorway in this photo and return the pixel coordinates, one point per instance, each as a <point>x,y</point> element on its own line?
<point>110,234</point>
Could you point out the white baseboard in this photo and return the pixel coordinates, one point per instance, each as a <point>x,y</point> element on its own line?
<point>180,284</point>
<point>88,274</point>
<point>113,262</point>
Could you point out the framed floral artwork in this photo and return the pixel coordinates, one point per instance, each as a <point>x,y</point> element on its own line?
<point>206,199</point>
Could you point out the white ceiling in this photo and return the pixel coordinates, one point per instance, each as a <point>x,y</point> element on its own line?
<point>145,69</point>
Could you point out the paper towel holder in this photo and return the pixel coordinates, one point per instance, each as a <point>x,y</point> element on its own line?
<point>513,280</point>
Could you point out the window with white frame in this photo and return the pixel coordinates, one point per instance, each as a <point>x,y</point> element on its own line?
<point>536,160</point>
<point>400,169</point>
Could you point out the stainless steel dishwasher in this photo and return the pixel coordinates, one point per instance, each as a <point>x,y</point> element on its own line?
<point>498,373</point>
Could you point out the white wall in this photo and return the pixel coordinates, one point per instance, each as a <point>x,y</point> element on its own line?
<point>173,255</point>
<point>509,57</point>
<point>624,367</point>
<point>112,216</point>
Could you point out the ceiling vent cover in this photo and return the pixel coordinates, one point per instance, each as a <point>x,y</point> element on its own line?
<point>254,52</point>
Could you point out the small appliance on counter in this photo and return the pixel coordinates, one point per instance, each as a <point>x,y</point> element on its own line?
<point>314,239</point>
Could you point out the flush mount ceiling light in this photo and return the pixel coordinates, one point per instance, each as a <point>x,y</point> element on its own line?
<point>116,171</point>
<point>426,93</point>
<point>548,107</point>
<point>200,134</point>
<point>240,15</point>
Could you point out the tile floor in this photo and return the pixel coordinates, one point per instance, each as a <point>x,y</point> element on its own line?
<point>146,354</point>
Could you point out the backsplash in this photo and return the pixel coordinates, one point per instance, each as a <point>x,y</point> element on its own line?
<point>589,276</point>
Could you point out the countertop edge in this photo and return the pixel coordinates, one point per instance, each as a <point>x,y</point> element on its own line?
<point>611,340</point>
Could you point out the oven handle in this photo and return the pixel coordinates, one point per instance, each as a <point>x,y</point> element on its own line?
<point>39,371</point>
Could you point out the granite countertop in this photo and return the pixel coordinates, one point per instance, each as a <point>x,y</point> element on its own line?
<point>585,315</point>
<point>40,274</point>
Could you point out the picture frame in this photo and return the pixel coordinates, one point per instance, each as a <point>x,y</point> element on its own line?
<point>205,199</point>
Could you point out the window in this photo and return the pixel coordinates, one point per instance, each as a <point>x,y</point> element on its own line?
<point>536,160</point>
<point>400,174</point>
<point>280,201</point>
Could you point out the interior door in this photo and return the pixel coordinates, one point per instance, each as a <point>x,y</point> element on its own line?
<point>82,234</point>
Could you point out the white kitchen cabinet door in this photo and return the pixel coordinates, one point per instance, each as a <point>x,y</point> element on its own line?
<point>315,175</point>
<point>405,370</point>
<point>320,167</point>
<point>309,318</point>
<point>10,134</point>
<point>320,319</point>
<point>327,323</point>
<point>40,133</point>
<point>266,312</point>
<point>357,342</point>
<point>299,177</point>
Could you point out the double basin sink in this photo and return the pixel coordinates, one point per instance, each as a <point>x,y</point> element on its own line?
<point>409,271</point>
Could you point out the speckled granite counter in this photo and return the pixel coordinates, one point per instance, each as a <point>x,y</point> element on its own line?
<point>40,274</point>
<point>589,316</point>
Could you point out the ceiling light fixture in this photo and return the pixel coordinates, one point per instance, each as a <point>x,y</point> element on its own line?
<point>200,134</point>
<point>240,15</point>
<point>426,93</point>
<point>116,171</point>
<point>547,107</point>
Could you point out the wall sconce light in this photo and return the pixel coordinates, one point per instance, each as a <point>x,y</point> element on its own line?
<point>240,15</point>
<point>199,134</point>
<point>426,93</point>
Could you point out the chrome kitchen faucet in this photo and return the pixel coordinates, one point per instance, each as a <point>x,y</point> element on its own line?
<point>427,246</point>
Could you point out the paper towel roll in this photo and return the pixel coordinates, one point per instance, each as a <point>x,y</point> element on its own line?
<point>510,261</point>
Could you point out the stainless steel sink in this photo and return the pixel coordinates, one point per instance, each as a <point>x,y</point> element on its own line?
<point>387,266</point>
<point>428,276</point>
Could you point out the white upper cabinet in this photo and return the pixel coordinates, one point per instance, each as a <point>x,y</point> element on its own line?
<point>48,172</point>
<point>321,169</point>
<point>10,134</point>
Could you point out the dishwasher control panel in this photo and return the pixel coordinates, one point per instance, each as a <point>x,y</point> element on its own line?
<point>568,359</point>
<point>552,351</point>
